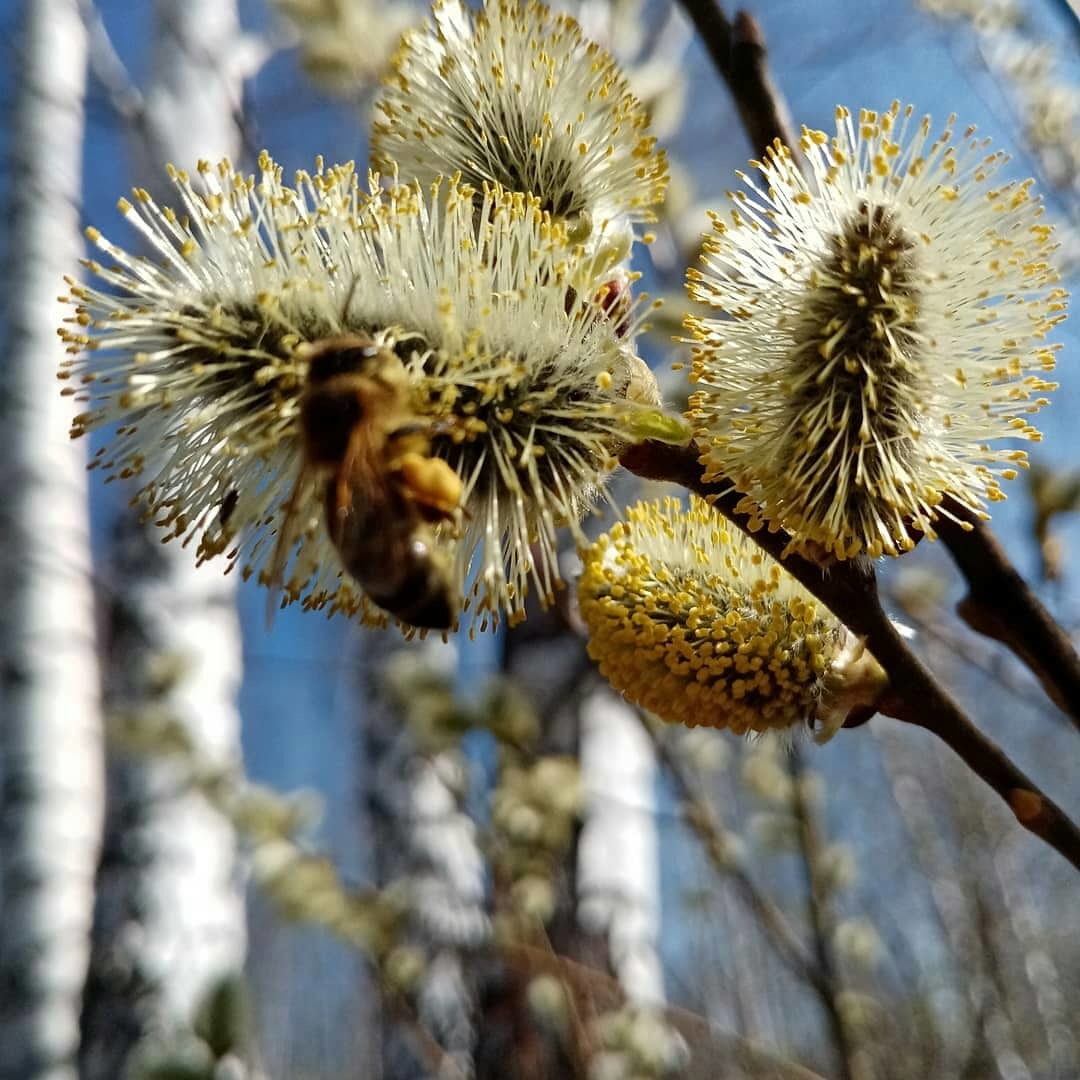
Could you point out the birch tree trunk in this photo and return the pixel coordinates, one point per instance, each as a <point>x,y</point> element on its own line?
<point>618,869</point>
<point>424,841</point>
<point>171,923</point>
<point>50,715</point>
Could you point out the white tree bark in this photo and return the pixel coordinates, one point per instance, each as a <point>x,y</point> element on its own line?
<point>194,101</point>
<point>193,917</point>
<point>172,918</point>
<point>424,841</point>
<point>50,724</point>
<point>618,871</point>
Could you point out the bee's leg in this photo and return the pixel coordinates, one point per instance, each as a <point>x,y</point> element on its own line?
<point>431,484</point>
<point>274,574</point>
<point>343,477</point>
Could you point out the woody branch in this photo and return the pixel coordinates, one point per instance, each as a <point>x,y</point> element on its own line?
<point>851,593</point>
<point>999,603</point>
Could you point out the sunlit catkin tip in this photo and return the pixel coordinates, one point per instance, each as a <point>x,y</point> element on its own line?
<point>346,47</point>
<point>514,94</point>
<point>883,326</point>
<point>692,621</point>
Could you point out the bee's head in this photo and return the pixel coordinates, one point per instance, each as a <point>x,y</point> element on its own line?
<point>345,354</point>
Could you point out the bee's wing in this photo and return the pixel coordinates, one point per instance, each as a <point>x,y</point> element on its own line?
<point>288,531</point>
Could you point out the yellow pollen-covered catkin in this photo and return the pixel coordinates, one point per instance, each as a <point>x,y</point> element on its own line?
<point>690,620</point>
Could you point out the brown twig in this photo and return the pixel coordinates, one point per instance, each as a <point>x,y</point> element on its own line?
<point>738,52</point>
<point>700,818</point>
<point>1001,605</point>
<point>713,1052</point>
<point>434,1055</point>
<point>849,590</point>
<point>820,916</point>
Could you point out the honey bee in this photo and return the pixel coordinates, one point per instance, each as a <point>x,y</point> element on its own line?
<point>384,492</point>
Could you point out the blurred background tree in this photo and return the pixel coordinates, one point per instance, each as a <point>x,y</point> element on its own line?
<point>516,874</point>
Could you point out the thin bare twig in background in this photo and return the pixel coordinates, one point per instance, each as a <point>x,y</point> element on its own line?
<point>951,888</point>
<point>700,817</point>
<point>125,98</point>
<point>820,918</point>
<point>981,656</point>
<point>1001,605</point>
<point>711,1050</point>
<point>738,52</point>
